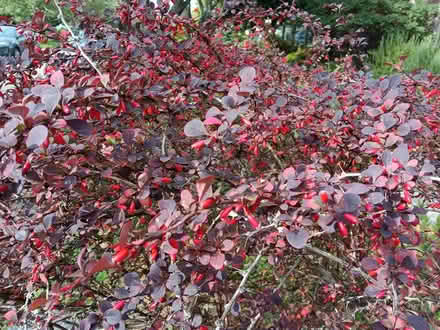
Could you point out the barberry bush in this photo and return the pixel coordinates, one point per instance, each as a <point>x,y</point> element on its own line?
<point>181,182</point>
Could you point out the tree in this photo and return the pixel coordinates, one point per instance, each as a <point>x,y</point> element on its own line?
<point>188,183</point>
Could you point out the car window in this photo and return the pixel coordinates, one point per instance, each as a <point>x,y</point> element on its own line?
<point>8,32</point>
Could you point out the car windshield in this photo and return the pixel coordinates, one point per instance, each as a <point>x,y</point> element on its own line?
<point>8,32</point>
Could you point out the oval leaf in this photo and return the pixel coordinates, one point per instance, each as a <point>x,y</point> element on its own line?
<point>298,239</point>
<point>80,126</point>
<point>247,74</point>
<point>217,261</point>
<point>57,79</point>
<point>195,128</point>
<point>37,136</point>
<point>112,316</point>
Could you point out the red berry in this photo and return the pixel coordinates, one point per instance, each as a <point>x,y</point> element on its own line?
<point>342,229</point>
<point>208,203</point>
<point>351,218</point>
<point>119,305</point>
<point>324,196</point>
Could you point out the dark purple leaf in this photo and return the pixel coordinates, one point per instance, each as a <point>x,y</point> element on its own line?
<point>121,293</point>
<point>50,96</point>
<point>427,168</point>
<point>369,263</point>
<point>155,273</point>
<point>388,120</point>
<point>378,326</point>
<point>376,197</point>
<point>37,136</point>
<point>415,124</point>
<point>298,239</point>
<point>401,154</point>
<point>417,322</point>
<point>372,291</point>
<point>281,101</point>
<point>368,130</point>
<point>191,290</point>
<point>177,305</point>
<point>373,171</point>
<point>351,202</point>
<point>401,107</point>
<point>196,321</point>
<point>372,112</point>
<point>403,278</point>
<point>408,263</point>
<point>235,309</point>
<point>195,128</point>
<point>21,235</point>
<point>158,292</point>
<point>131,279</point>
<point>104,306</point>
<point>231,115</point>
<point>212,112</point>
<point>174,281</point>
<point>395,81</point>
<point>228,101</point>
<point>247,74</point>
<point>49,219</point>
<point>326,223</point>
<point>357,188</point>
<point>403,130</point>
<point>80,126</point>
<point>276,299</point>
<point>168,205</point>
<point>112,316</point>
<point>26,262</point>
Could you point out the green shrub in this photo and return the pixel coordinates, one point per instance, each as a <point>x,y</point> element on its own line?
<point>375,17</point>
<point>422,54</point>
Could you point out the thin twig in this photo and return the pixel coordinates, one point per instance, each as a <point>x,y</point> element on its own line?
<point>280,163</point>
<point>220,322</point>
<point>286,276</point>
<point>254,321</point>
<point>115,178</point>
<point>75,38</point>
<point>341,262</point>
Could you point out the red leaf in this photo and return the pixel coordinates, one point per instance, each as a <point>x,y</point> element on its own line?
<point>212,121</point>
<point>120,256</point>
<point>125,231</point>
<point>11,315</point>
<point>253,221</point>
<point>37,303</point>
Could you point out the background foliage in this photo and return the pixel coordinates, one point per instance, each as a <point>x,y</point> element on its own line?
<point>183,181</point>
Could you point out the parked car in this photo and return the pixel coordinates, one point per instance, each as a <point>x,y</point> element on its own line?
<point>10,41</point>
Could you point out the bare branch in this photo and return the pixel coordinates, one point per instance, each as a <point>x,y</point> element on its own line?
<point>75,38</point>
<point>219,324</point>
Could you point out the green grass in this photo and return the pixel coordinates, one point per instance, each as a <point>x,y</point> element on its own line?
<point>422,54</point>
<point>49,44</point>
